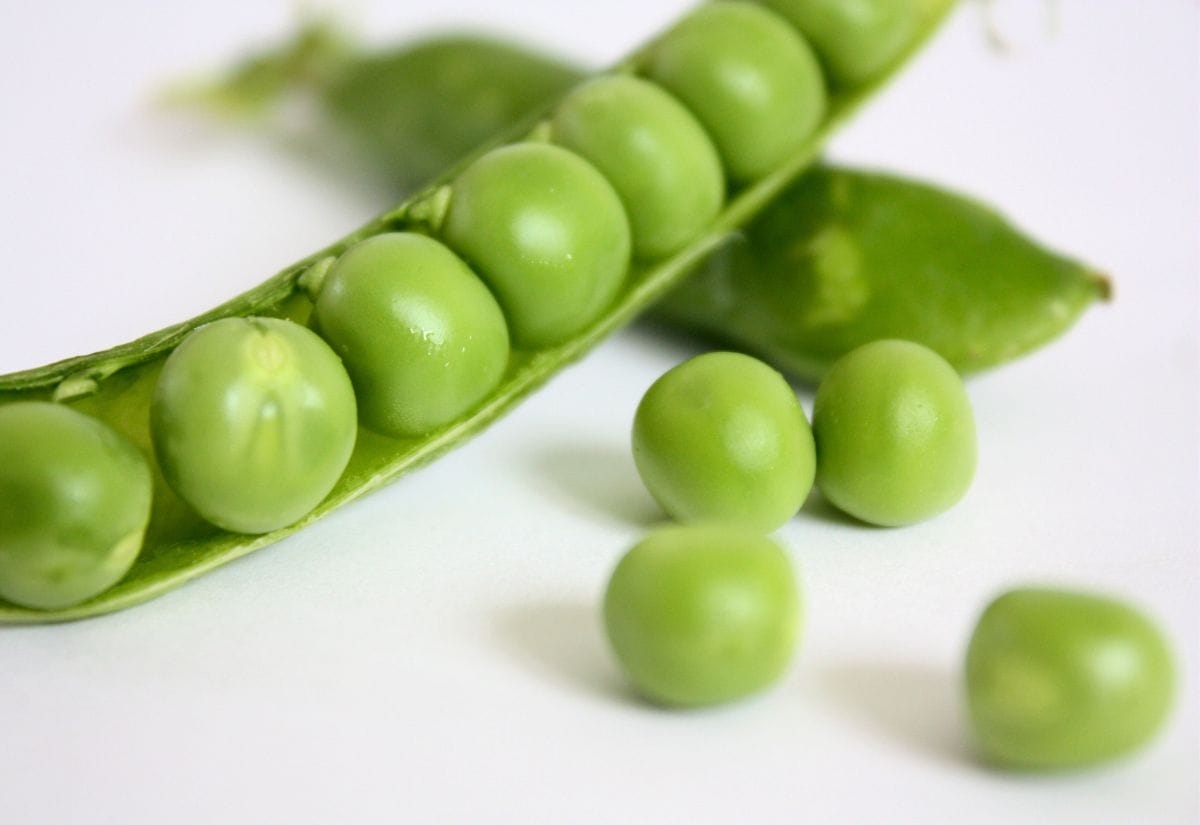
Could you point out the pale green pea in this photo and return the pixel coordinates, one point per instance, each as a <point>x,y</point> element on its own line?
<point>895,434</point>
<point>253,421</point>
<point>655,154</point>
<point>702,614</point>
<point>546,232</point>
<point>722,436</point>
<point>749,77</point>
<point>856,39</point>
<point>1059,679</point>
<point>74,504</point>
<point>421,337</point>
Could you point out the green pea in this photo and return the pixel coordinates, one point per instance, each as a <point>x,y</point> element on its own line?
<point>895,434</point>
<point>1060,679</point>
<point>750,79</point>
<point>422,338</point>
<point>655,154</point>
<point>702,614</point>
<point>74,504</point>
<point>722,436</point>
<point>856,39</point>
<point>547,233</point>
<point>253,421</point>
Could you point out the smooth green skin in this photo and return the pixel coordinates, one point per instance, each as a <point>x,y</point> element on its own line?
<point>547,233</point>
<point>855,39</point>
<point>654,153</point>
<point>844,258</point>
<point>1058,679</point>
<point>748,76</point>
<point>421,337</point>
<point>722,436</point>
<point>253,421</point>
<point>702,614</point>
<point>895,434</point>
<point>74,504</point>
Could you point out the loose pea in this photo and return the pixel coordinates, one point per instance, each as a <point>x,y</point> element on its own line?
<point>422,338</point>
<point>856,39</point>
<point>1060,679</point>
<point>722,436</point>
<point>655,154</point>
<point>702,614</point>
<point>253,422</point>
<point>547,233</point>
<point>895,434</point>
<point>74,504</point>
<point>750,79</point>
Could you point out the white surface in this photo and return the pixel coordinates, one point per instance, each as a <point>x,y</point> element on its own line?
<point>432,654</point>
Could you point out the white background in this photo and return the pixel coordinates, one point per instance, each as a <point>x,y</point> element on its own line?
<point>432,654</point>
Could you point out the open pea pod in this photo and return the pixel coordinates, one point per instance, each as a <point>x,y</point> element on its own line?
<point>116,386</point>
<point>842,257</point>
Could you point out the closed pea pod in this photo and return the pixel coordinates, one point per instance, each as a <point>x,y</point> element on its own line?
<point>856,39</point>
<point>723,437</point>
<point>253,421</point>
<point>1061,679</point>
<point>895,434</point>
<point>748,76</point>
<point>547,233</point>
<point>74,504</point>
<point>701,614</point>
<point>653,151</point>
<point>421,337</point>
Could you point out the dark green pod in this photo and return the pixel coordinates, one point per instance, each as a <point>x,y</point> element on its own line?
<point>843,258</point>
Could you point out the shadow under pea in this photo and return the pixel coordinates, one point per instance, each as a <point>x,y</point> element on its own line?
<point>914,705</point>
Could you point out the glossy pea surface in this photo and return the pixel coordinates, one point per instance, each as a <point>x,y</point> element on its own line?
<point>655,154</point>
<point>422,338</point>
<point>1061,679</point>
<point>253,421</point>
<point>855,39</point>
<point>74,504</point>
<point>749,77</point>
<point>701,614</point>
<point>722,436</point>
<point>547,233</point>
<point>895,434</point>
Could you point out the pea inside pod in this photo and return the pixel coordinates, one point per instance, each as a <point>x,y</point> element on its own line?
<point>856,39</point>
<point>748,76</point>
<point>654,153</point>
<point>253,421</point>
<point>548,234</point>
<point>421,337</point>
<point>74,504</point>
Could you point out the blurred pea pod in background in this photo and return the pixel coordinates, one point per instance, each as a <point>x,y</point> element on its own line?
<point>841,258</point>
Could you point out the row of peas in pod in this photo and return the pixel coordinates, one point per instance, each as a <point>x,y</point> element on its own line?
<point>253,420</point>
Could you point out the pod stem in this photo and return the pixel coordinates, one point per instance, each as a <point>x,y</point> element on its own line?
<point>309,60</point>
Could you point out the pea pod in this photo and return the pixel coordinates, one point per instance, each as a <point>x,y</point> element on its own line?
<point>844,258</point>
<point>116,386</point>
<point>841,258</point>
